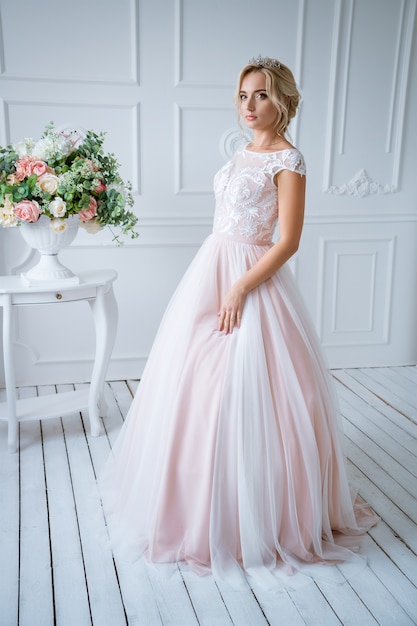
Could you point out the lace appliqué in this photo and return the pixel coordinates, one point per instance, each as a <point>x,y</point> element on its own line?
<point>246,196</point>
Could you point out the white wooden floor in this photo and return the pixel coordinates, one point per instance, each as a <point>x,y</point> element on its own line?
<point>56,566</point>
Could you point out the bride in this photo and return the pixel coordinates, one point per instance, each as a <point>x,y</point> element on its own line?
<point>231,456</point>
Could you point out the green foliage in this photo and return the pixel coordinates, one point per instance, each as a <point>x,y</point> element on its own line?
<point>83,179</point>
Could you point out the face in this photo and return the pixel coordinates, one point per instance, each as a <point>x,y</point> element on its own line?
<point>256,108</point>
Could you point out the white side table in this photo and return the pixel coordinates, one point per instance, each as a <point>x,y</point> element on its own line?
<point>96,287</point>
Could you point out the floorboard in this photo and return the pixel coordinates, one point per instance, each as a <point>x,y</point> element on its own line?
<point>57,567</point>
<point>9,530</point>
<point>35,563</point>
<point>68,565</point>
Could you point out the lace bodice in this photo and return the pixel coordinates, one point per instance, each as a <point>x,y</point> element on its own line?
<point>246,195</point>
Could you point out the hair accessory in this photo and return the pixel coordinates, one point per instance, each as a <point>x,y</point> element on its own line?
<point>265,62</point>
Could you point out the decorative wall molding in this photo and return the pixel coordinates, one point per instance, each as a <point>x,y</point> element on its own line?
<point>97,82</point>
<point>298,68</point>
<point>376,255</point>
<point>361,185</point>
<point>2,67</point>
<point>299,46</point>
<point>178,45</point>
<point>334,73</point>
<point>230,141</point>
<point>404,48</point>
<point>395,79</point>
<point>3,124</point>
<point>345,14</point>
<point>36,76</point>
<point>179,51</point>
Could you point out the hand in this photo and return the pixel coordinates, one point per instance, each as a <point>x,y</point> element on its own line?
<point>230,314</point>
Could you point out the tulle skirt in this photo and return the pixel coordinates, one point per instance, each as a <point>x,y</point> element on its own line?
<point>231,455</point>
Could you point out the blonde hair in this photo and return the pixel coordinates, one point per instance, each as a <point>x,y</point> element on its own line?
<point>281,89</point>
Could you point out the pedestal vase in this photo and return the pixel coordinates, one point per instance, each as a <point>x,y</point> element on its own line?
<point>49,269</point>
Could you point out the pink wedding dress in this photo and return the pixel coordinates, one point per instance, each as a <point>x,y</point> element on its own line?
<point>231,456</point>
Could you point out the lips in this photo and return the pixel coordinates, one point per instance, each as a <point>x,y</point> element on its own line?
<point>250,117</point>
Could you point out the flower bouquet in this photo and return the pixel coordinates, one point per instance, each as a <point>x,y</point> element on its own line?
<point>64,173</point>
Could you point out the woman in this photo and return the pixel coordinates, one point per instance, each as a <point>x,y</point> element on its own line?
<point>230,458</point>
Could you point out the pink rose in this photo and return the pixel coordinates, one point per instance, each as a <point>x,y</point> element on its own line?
<point>23,168</point>
<point>88,214</point>
<point>27,211</point>
<point>39,168</point>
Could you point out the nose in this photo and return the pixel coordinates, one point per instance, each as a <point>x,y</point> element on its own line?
<point>250,104</point>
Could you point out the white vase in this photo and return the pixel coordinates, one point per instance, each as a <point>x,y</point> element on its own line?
<point>49,270</point>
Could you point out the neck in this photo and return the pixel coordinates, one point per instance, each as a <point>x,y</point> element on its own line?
<point>267,145</point>
<point>266,141</point>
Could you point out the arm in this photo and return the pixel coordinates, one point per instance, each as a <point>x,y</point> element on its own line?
<point>291,194</point>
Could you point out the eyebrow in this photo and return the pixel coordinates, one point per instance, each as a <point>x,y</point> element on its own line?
<point>256,91</point>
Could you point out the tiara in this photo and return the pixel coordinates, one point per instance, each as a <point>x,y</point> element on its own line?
<point>265,61</point>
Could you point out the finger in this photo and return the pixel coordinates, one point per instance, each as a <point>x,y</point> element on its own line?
<point>225,323</point>
<point>230,322</point>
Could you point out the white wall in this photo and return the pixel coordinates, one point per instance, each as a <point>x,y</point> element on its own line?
<point>158,76</point>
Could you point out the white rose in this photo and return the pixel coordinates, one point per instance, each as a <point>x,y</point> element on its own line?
<point>7,216</point>
<point>58,207</point>
<point>58,225</point>
<point>49,184</point>
<point>91,226</point>
<point>7,219</point>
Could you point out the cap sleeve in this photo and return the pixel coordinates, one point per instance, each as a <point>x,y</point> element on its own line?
<point>292,160</point>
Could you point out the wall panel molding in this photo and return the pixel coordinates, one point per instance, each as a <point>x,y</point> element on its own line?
<point>2,61</point>
<point>347,23</point>
<point>395,81</point>
<point>180,33</point>
<point>355,283</point>
<point>405,36</point>
<point>344,74</point>
<point>92,57</point>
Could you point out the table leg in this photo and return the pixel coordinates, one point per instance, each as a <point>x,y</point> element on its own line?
<point>9,375</point>
<point>105,313</point>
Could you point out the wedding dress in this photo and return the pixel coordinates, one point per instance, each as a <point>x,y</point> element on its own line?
<point>231,456</point>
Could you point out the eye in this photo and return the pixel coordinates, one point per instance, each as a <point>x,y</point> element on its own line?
<point>242,96</point>
<point>262,96</point>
